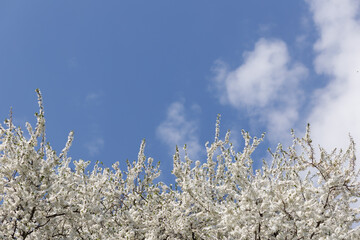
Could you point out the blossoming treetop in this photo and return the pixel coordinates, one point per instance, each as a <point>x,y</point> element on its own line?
<point>297,195</point>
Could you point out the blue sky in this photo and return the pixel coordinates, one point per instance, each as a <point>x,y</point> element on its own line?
<point>116,72</point>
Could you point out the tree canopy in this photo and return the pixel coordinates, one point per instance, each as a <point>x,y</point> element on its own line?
<point>301,193</point>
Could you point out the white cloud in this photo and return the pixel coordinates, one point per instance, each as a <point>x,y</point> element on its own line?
<point>176,129</point>
<point>335,113</point>
<point>266,82</point>
<point>94,146</point>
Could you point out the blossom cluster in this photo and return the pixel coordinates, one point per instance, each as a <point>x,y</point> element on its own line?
<point>301,193</point>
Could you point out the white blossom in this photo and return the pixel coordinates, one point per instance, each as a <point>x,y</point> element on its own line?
<point>299,194</point>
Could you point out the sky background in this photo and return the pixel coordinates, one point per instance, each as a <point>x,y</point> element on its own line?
<point>116,72</point>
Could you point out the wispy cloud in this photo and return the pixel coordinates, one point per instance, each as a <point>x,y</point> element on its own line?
<point>266,84</point>
<point>336,112</point>
<point>94,146</point>
<point>178,130</point>
<point>72,63</point>
<point>93,98</point>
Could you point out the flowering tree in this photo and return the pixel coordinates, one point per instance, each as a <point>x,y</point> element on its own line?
<point>297,195</point>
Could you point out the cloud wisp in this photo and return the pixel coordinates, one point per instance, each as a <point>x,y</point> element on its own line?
<point>265,84</point>
<point>94,146</point>
<point>93,99</point>
<point>178,130</point>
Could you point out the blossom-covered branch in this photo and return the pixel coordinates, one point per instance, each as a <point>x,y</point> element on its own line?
<point>296,195</point>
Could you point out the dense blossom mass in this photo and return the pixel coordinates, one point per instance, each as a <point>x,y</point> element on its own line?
<point>301,193</point>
